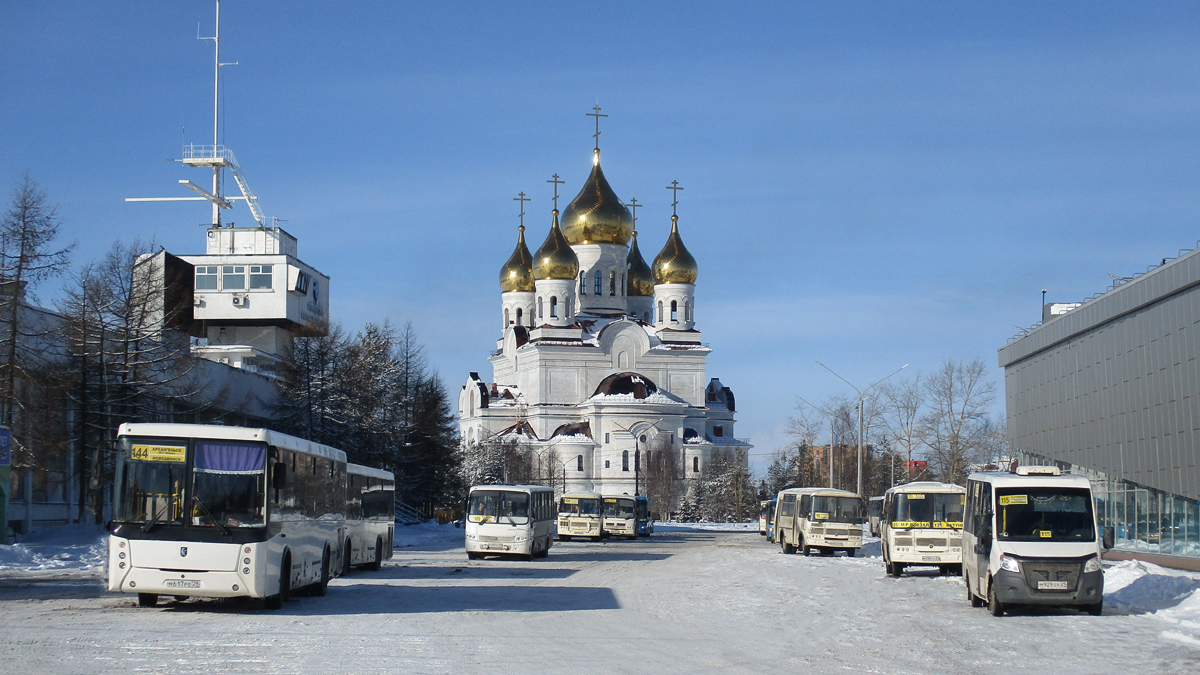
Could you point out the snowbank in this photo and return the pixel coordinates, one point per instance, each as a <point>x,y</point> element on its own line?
<point>1171,596</point>
<point>706,527</point>
<point>70,550</point>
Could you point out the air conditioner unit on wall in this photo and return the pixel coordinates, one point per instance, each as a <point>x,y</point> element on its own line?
<point>241,301</point>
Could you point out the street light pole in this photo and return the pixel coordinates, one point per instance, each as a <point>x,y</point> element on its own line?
<point>862,395</point>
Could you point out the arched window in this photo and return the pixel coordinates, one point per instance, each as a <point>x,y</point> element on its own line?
<point>553,307</point>
<point>625,460</point>
<point>570,307</point>
<point>541,314</point>
<point>674,311</point>
<point>583,283</point>
<point>579,463</point>
<point>622,286</point>
<point>612,283</point>
<point>660,316</point>
<point>696,464</point>
<point>506,321</point>
<point>597,282</point>
<point>519,317</point>
<point>687,311</point>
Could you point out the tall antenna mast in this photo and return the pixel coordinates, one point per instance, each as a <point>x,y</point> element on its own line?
<point>215,156</point>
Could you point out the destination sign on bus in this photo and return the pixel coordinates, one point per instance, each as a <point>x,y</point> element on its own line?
<point>158,453</point>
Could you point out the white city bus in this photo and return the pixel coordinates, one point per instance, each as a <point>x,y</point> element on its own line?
<point>1030,538</point>
<point>922,524</point>
<point>620,517</point>
<point>580,514</point>
<point>510,519</point>
<point>370,517</point>
<point>819,519</point>
<point>217,511</point>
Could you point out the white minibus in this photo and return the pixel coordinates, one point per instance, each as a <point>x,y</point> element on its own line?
<point>819,519</point>
<point>509,519</point>
<point>620,517</point>
<point>766,509</point>
<point>922,524</point>
<point>370,517</point>
<point>580,514</point>
<point>1030,538</point>
<point>219,511</point>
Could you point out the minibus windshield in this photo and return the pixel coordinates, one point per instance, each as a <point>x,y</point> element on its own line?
<point>1045,514</point>
<point>498,506</point>
<point>580,506</point>
<point>927,510</point>
<point>837,509</point>
<point>619,508</point>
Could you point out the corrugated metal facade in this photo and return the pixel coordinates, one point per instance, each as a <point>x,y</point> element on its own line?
<point>1114,385</point>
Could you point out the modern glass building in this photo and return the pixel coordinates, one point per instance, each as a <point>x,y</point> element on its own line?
<point>1111,389</point>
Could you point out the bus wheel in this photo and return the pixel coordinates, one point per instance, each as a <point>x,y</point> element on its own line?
<point>377,563</point>
<point>788,548</point>
<point>564,537</point>
<point>322,586</point>
<point>285,585</point>
<point>891,569</point>
<point>850,552</point>
<point>347,559</point>
<point>147,599</point>
<point>994,605</point>
<point>975,600</point>
<point>1096,609</point>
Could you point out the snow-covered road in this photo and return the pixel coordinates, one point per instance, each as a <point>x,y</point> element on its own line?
<point>687,600</point>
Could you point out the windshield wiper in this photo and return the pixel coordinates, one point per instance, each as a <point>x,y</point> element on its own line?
<point>210,515</point>
<point>154,521</point>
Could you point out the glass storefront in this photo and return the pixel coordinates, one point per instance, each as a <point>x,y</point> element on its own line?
<point>1143,519</point>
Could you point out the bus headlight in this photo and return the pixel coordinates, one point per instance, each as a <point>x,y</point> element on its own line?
<point>1092,565</point>
<point>1010,563</point>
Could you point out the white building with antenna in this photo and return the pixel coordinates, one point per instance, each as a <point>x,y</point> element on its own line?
<point>599,364</point>
<point>249,293</point>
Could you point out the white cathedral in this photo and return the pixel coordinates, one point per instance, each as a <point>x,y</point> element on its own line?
<point>600,361</point>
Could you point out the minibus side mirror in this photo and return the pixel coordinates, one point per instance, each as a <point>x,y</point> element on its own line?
<point>1108,539</point>
<point>278,475</point>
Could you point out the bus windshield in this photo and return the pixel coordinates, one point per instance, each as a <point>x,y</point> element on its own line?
<point>939,510</point>
<point>498,506</point>
<point>228,484</point>
<point>837,509</point>
<point>150,483</point>
<point>580,506</point>
<point>619,508</point>
<point>1045,514</point>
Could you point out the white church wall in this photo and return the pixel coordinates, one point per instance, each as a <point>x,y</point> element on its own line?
<point>609,261</point>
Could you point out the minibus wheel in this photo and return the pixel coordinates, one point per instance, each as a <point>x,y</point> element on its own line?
<point>850,552</point>
<point>788,548</point>
<point>564,537</point>
<point>147,599</point>
<point>975,600</point>
<point>378,561</point>
<point>993,604</point>
<point>322,586</point>
<point>1096,609</point>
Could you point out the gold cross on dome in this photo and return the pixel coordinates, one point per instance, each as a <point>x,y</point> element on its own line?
<point>597,115</point>
<point>633,207</point>
<point>674,188</point>
<point>556,182</point>
<point>522,198</point>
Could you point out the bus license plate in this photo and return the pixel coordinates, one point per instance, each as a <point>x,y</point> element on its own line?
<point>181,583</point>
<point>931,558</point>
<point>1052,585</point>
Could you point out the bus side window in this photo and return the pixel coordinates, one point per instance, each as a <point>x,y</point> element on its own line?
<point>788,506</point>
<point>805,504</point>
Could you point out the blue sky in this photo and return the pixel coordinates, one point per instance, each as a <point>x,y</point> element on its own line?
<point>868,184</point>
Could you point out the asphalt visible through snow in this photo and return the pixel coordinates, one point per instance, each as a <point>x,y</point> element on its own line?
<point>680,601</point>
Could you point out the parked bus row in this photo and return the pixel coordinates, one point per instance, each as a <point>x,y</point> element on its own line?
<point>522,520</point>
<point>1025,537</point>
<point>217,511</point>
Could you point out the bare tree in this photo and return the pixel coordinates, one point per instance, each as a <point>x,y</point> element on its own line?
<point>957,420</point>
<point>661,471</point>
<point>902,407</point>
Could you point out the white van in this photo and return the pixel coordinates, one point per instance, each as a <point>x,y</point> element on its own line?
<point>818,519</point>
<point>1030,538</point>
<point>509,519</point>
<point>922,524</point>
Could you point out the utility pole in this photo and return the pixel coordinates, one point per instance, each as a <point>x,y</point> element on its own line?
<point>862,394</point>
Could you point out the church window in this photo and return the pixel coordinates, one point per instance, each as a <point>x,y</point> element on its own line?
<point>597,282</point>
<point>206,278</point>
<point>718,431</point>
<point>541,314</point>
<point>506,321</point>
<point>695,464</point>
<point>607,437</point>
<point>674,311</point>
<point>622,286</point>
<point>553,307</point>
<point>625,460</point>
<point>612,283</point>
<point>660,311</point>
<point>579,463</point>
<point>687,311</point>
<point>519,317</point>
<point>583,283</point>
<point>606,464</point>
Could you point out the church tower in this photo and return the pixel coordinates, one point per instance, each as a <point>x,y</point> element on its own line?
<point>555,267</point>
<point>598,226</point>
<point>517,286</point>
<point>675,273</point>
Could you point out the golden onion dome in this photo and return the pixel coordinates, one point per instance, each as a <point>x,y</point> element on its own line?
<point>555,259</point>
<point>674,265</point>
<point>640,282</point>
<point>517,274</point>
<point>596,215</point>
